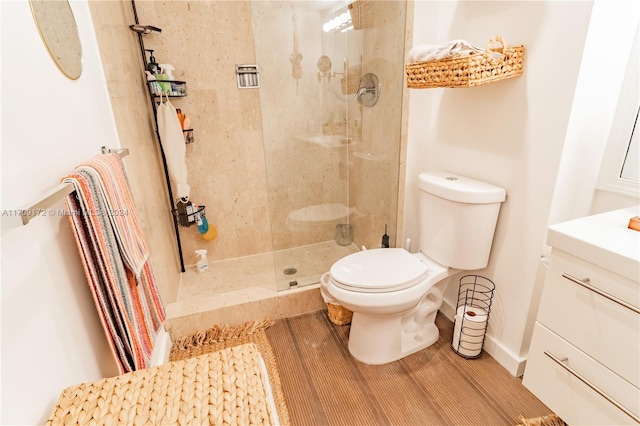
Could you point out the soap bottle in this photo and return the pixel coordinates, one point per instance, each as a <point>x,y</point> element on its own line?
<point>202,265</point>
<point>202,223</point>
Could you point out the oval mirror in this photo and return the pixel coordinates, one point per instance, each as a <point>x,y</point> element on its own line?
<point>58,30</point>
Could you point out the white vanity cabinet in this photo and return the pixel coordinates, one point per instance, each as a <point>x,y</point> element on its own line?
<point>584,358</point>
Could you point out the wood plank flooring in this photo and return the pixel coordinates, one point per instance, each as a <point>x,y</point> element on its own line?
<point>324,385</point>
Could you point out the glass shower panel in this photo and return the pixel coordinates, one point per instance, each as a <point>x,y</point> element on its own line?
<point>306,140</point>
<point>331,163</point>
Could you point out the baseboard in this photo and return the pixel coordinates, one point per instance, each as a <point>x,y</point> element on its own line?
<point>514,364</point>
<point>162,348</point>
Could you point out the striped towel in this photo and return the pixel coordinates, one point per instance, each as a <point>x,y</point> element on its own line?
<point>115,259</point>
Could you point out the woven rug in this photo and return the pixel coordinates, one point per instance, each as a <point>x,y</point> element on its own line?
<point>226,387</point>
<point>221,376</point>
<point>551,420</point>
<point>222,337</point>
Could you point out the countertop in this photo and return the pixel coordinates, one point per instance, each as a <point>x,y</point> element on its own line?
<point>603,240</point>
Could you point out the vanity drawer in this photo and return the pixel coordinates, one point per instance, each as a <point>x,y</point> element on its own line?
<point>553,372</point>
<point>605,329</point>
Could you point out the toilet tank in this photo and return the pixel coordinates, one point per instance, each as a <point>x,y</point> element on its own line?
<point>458,217</point>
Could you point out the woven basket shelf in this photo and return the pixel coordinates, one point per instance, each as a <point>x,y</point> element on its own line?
<point>468,71</point>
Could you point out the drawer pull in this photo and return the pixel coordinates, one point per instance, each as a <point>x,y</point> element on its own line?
<point>561,362</point>
<point>585,283</point>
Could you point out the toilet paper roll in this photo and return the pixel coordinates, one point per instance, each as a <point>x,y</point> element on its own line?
<point>468,331</point>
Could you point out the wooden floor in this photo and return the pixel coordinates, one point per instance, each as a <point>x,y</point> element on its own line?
<point>324,385</point>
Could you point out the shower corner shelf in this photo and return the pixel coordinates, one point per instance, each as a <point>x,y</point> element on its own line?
<point>170,88</point>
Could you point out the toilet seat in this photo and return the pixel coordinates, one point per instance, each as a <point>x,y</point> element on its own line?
<point>378,271</point>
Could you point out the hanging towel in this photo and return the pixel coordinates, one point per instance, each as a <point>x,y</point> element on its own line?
<point>115,259</point>
<point>174,147</point>
<point>451,49</point>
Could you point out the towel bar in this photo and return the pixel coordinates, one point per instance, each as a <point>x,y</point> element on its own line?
<point>37,207</point>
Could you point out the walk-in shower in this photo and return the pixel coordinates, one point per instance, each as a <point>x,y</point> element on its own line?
<point>282,163</point>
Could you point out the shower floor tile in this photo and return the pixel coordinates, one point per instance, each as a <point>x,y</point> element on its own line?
<point>310,262</point>
<point>251,278</point>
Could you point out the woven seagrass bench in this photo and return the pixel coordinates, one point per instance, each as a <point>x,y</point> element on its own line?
<point>229,386</point>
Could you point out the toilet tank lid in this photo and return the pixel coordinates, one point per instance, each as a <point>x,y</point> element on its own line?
<point>460,189</point>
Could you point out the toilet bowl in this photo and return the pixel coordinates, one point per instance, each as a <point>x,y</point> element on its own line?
<point>395,295</point>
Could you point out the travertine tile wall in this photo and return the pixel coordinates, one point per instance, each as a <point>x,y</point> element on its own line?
<point>374,176</point>
<point>248,165</point>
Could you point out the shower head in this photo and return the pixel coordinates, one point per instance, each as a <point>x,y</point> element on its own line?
<point>144,29</point>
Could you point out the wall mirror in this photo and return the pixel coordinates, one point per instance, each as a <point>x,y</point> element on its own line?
<point>59,33</point>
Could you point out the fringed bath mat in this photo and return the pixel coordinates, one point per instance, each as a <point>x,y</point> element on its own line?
<point>221,337</point>
<point>551,420</point>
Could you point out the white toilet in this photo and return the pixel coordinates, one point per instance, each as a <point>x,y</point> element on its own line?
<point>395,295</point>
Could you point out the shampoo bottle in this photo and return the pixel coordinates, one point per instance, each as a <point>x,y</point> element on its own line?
<point>202,264</point>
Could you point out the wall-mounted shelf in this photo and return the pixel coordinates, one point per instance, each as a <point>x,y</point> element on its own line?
<point>495,64</point>
<point>171,88</point>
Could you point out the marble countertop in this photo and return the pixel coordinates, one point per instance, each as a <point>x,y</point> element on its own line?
<point>603,240</point>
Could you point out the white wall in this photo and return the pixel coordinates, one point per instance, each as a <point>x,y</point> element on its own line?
<point>510,134</point>
<point>604,107</point>
<point>612,190</point>
<point>612,29</point>
<point>51,334</point>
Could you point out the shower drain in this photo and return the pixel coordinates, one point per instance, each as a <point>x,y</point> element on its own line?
<point>290,271</point>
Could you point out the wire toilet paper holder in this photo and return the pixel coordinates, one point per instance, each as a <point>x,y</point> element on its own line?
<point>473,307</point>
